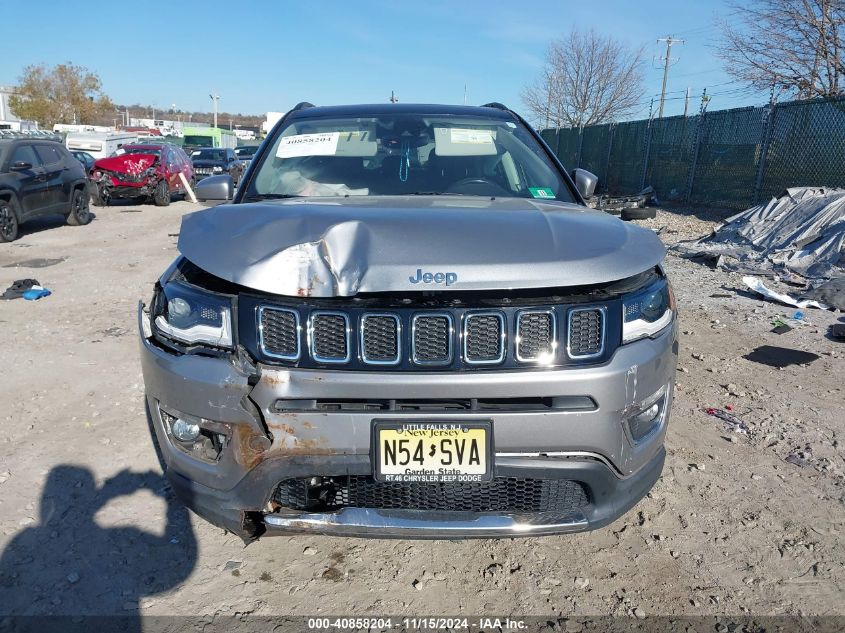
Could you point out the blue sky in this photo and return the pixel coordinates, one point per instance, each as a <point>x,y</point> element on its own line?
<point>271,55</point>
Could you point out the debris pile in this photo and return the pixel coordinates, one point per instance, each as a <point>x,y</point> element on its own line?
<point>800,233</point>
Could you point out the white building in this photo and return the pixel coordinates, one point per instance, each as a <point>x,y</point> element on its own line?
<point>8,119</point>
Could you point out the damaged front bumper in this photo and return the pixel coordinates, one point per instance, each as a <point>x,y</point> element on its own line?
<point>267,437</point>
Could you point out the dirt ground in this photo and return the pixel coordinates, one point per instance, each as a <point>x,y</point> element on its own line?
<point>87,525</point>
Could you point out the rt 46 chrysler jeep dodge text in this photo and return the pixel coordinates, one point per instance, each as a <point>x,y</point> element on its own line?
<point>408,323</point>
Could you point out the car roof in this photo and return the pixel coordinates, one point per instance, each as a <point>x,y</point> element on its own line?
<point>377,109</point>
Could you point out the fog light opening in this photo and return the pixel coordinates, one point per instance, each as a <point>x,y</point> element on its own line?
<point>648,419</point>
<point>192,436</point>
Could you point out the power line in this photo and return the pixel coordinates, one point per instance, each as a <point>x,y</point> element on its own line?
<point>670,41</point>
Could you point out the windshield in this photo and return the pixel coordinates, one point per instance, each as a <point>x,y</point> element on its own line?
<point>208,154</point>
<point>138,149</point>
<point>407,154</point>
<point>198,139</point>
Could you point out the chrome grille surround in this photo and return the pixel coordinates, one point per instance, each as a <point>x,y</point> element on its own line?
<point>479,356</point>
<point>267,338</point>
<point>595,341</point>
<point>328,319</point>
<point>381,339</point>
<point>536,336</point>
<point>416,345</point>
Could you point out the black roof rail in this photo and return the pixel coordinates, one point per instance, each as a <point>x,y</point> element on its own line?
<point>301,106</point>
<point>497,105</point>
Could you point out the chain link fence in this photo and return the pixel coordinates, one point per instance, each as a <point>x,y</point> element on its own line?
<point>726,158</point>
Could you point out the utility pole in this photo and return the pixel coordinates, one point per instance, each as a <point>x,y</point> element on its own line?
<point>393,98</point>
<point>214,99</point>
<point>686,103</point>
<point>669,42</point>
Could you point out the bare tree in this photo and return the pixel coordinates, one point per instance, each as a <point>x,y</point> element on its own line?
<point>797,45</point>
<point>587,79</point>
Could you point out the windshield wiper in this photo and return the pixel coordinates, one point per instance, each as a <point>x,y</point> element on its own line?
<point>271,196</point>
<point>434,193</point>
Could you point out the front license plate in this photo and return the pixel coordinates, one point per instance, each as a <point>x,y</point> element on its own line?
<point>432,451</point>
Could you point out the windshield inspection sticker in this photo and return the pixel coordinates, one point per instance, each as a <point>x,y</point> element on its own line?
<point>321,144</point>
<point>541,192</point>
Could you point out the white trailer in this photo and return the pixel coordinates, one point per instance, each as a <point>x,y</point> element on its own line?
<point>100,144</point>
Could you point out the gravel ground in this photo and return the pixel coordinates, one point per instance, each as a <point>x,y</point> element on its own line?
<point>739,523</point>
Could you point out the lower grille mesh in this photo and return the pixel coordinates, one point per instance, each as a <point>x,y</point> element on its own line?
<point>503,494</point>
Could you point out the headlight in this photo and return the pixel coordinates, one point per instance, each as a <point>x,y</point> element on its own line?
<point>217,169</point>
<point>191,316</point>
<point>647,312</point>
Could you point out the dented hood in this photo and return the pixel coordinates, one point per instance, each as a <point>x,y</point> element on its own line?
<point>324,247</point>
<point>134,164</point>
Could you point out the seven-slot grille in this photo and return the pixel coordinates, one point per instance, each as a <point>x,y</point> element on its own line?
<point>586,332</point>
<point>483,338</point>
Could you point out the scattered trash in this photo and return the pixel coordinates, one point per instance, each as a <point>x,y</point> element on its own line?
<point>16,290</point>
<point>837,331</point>
<point>721,295</point>
<point>783,328</point>
<point>831,293</point>
<point>645,198</point>
<point>780,356</point>
<point>802,231</point>
<point>757,286</point>
<point>232,564</point>
<point>800,457</point>
<point>798,316</point>
<point>731,421</point>
<point>35,293</point>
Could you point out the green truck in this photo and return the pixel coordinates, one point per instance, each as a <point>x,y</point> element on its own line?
<point>208,137</point>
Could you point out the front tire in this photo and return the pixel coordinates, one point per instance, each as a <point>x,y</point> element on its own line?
<point>8,222</point>
<point>161,196</point>
<point>80,209</point>
<point>644,213</point>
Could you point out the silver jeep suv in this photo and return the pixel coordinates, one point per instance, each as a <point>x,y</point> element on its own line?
<point>407,323</point>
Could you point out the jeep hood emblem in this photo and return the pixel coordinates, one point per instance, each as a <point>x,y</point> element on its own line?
<point>433,278</point>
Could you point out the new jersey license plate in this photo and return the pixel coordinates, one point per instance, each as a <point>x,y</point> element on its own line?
<point>432,451</point>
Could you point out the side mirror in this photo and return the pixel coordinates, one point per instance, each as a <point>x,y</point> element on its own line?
<point>215,188</point>
<point>20,165</point>
<point>585,182</point>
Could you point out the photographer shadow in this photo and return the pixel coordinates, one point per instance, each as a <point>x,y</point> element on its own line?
<point>68,565</point>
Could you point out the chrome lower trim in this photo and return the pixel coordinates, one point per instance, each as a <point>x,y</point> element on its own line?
<point>424,524</point>
<point>569,455</point>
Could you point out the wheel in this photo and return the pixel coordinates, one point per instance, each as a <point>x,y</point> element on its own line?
<point>161,195</point>
<point>80,210</point>
<point>8,222</point>
<point>644,213</point>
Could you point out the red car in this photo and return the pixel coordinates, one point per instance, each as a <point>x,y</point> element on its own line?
<point>142,170</point>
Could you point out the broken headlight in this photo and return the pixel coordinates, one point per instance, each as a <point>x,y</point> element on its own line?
<point>647,312</point>
<point>191,316</point>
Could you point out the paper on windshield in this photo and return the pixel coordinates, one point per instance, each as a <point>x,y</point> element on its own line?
<point>455,141</point>
<point>320,144</point>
